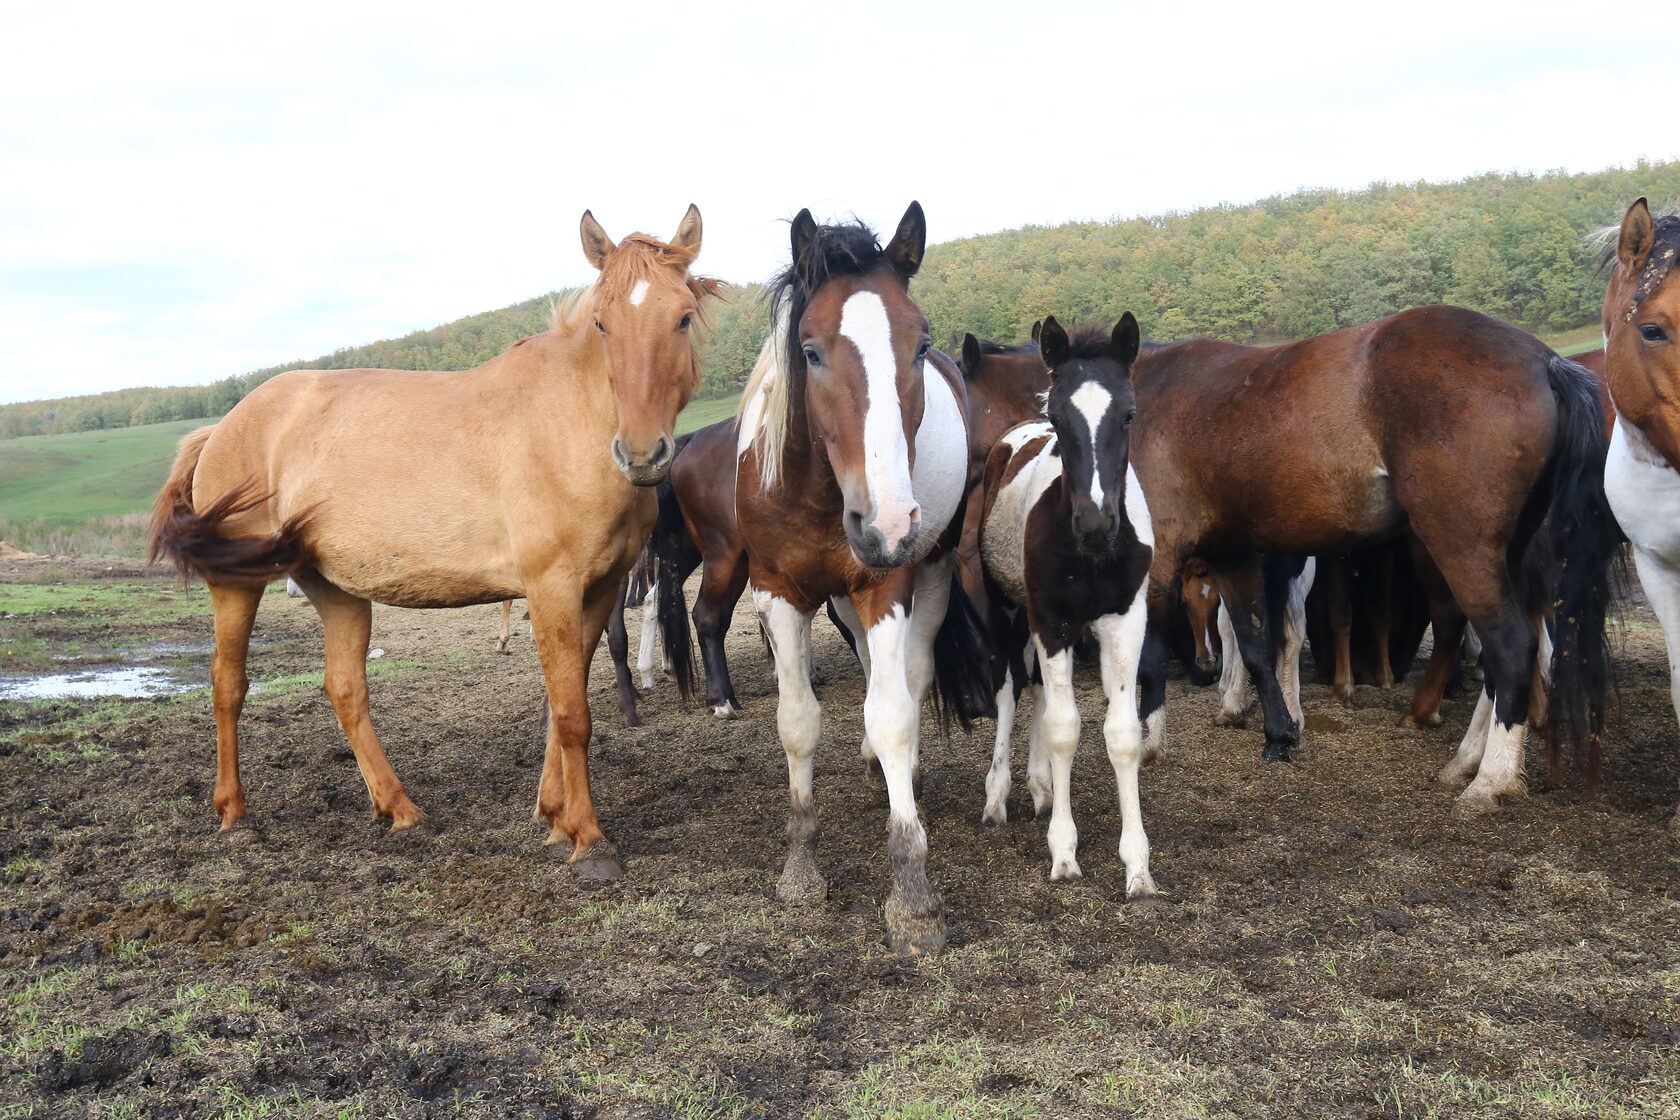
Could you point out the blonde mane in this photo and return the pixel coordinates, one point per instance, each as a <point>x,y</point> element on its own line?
<point>761,421</point>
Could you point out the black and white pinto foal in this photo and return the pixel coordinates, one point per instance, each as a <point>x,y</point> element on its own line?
<point>1066,542</point>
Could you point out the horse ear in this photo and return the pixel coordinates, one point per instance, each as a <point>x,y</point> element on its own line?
<point>597,246</point>
<point>1038,325</point>
<point>1125,340</point>
<point>688,233</point>
<point>1634,242</point>
<point>906,247</point>
<point>804,228</point>
<point>1052,342</point>
<point>970,354</point>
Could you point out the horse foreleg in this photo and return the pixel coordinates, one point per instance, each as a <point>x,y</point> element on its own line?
<point>1660,580</point>
<point>928,605</point>
<point>914,911</point>
<point>1295,638</point>
<point>645,641</point>
<point>567,625</point>
<point>799,722</point>
<point>848,615</point>
<point>235,611</point>
<point>1121,640</point>
<point>507,626</point>
<point>1338,590</point>
<point>618,648</point>
<point>1059,736</point>
<point>1234,692</point>
<point>721,585</point>
<point>348,622</point>
<point>1240,586</point>
<point>998,778</point>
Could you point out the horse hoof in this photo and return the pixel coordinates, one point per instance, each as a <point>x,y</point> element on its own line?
<point>1470,806</point>
<point>599,863</point>
<point>1066,871</point>
<point>1343,698</point>
<point>1453,776</point>
<point>725,710</point>
<point>239,833</point>
<point>1041,812</point>
<point>1415,721</point>
<point>1227,719</point>
<point>647,682</point>
<point>912,935</point>
<point>632,719</point>
<point>403,818</point>
<point>1276,752</point>
<point>994,816</point>
<point>1140,892</point>
<point>801,884</point>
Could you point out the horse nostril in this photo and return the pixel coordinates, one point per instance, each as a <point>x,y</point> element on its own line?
<point>618,453</point>
<point>662,452</point>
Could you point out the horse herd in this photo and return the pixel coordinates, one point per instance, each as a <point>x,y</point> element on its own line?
<point>966,524</point>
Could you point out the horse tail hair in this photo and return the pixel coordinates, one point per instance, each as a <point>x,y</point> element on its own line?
<point>193,540</point>
<point>962,662</point>
<point>665,549</point>
<point>1584,540</point>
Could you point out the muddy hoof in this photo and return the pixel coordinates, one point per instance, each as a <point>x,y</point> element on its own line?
<point>1453,777</point>
<point>1226,719</point>
<point>994,816</point>
<point>632,719</point>
<point>725,711</point>
<point>1479,801</point>
<point>1140,890</point>
<point>241,833</point>
<point>599,863</point>
<point>1041,812</point>
<point>1068,872</point>
<point>914,934</point>
<point>801,883</point>
<point>1276,752</point>
<point>1413,720</point>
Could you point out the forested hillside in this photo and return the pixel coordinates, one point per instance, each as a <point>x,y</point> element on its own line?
<point>1284,267</point>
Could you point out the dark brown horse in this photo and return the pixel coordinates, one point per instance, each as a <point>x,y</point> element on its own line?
<point>852,466</point>
<point>1438,421</point>
<point>530,476</point>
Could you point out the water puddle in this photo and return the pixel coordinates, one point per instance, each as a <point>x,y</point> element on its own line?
<point>119,680</point>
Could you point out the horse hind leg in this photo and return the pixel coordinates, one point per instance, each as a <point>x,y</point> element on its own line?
<point>235,613</point>
<point>1235,695</point>
<point>507,624</point>
<point>618,647</point>
<point>348,621</point>
<point>1509,649</point>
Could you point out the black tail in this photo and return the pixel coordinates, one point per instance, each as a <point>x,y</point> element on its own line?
<point>1584,539</point>
<point>670,534</point>
<point>641,579</point>
<point>962,662</point>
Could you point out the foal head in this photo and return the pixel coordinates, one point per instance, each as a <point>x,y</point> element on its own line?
<point>1091,405</point>
<point>858,344</point>
<point>1642,326</point>
<point>643,308</point>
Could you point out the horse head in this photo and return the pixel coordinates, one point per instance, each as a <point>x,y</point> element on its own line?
<point>645,305</point>
<point>1091,406</point>
<point>1642,327</point>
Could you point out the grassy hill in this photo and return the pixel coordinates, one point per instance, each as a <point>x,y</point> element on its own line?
<point>89,492</point>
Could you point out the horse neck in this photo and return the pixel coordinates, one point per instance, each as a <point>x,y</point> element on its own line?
<point>563,377</point>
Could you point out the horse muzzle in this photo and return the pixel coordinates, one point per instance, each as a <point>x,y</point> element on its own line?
<point>649,469</point>
<point>875,549</point>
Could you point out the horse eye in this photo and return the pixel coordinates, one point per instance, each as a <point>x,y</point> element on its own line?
<point>1130,416</point>
<point>599,327</point>
<point>686,321</point>
<point>811,357</point>
<point>1650,332</point>
<point>922,350</point>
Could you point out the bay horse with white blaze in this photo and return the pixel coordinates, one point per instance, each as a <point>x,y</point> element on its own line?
<point>1439,421</point>
<point>1066,541</point>
<point>529,476</point>
<point>1642,373</point>
<point>852,463</point>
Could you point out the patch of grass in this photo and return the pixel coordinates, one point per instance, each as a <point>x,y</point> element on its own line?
<point>677,1094</point>
<point>80,475</point>
<point>700,413</point>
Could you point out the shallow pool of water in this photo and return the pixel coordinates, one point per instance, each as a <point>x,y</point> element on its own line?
<point>120,680</point>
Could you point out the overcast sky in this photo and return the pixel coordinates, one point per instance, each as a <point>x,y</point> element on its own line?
<point>190,191</point>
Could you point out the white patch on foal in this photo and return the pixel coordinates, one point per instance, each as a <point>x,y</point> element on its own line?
<point>1003,538</point>
<point>1091,401</point>
<point>886,454</point>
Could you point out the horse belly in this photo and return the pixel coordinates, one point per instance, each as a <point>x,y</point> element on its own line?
<point>439,570</point>
<point>941,471</point>
<point>1644,493</point>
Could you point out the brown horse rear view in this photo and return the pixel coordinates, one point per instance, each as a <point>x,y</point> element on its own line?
<point>529,476</point>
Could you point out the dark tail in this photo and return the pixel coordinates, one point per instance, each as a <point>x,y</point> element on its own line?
<point>665,547</point>
<point>962,662</point>
<point>193,541</point>
<point>1584,539</point>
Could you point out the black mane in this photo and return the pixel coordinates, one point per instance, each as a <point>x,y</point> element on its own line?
<point>840,249</point>
<point>1665,248</point>
<point>988,348</point>
<point>1089,341</point>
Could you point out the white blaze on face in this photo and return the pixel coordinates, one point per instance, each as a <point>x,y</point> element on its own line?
<point>638,293</point>
<point>886,455</point>
<point>1092,401</point>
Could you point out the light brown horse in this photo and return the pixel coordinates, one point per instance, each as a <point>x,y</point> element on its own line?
<point>528,476</point>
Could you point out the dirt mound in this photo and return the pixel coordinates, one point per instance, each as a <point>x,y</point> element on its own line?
<point>13,552</point>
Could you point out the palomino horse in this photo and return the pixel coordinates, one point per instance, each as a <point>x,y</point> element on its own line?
<point>1465,430</point>
<point>852,464</point>
<point>1642,371</point>
<point>1066,541</point>
<point>528,476</point>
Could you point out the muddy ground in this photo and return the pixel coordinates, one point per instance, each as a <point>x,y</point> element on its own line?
<point>1330,941</point>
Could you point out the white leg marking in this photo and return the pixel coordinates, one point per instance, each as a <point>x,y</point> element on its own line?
<point>1154,734</point>
<point>998,777</point>
<point>1234,692</point>
<point>650,625</point>
<point>1471,747</point>
<point>1294,638</point>
<point>798,714</point>
<point>1120,639</point>
<point>890,715</point>
<point>860,646</point>
<point>1661,582</point>
<point>1059,735</point>
<point>1501,773</point>
<point>886,453</point>
<point>928,605</point>
<point>1543,656</point>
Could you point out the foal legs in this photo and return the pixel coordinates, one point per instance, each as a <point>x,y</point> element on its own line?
<point>1059,733</point>
<point>618,647</point>
<point>645,641</point>
<point>799,720</point>
<point>235,612</point>
<point>1241,587</point>
<point>721,585</point>
<point>507,622</point>
<point>348,621</point>
<point>1121,640</point>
